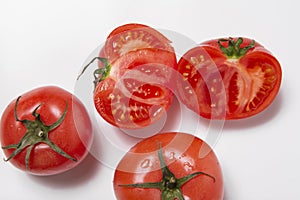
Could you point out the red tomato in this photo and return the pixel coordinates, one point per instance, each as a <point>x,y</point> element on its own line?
<point>135,91</point>
<point>132,83</point>
<point>169,166</point>
<point>229,78</point>
<point>130,37</point>
<point>46,131</point>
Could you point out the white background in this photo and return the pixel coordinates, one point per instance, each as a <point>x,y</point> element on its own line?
<point>46,42</point>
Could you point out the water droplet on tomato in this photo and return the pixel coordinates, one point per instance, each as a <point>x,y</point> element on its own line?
<point>146,163</point>
<point>188,165</point>
<point>172,155</point>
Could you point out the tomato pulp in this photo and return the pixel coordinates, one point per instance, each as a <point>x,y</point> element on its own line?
<point>132,80</point>
<point>229,78</point>
<point>131,37</point>
<point>136,92</point>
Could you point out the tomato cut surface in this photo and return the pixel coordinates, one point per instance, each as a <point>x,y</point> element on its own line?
<point>169,166</point>
<point>134,75</point>
<point>136,92</point>
<point>131,37</point>
<point>229,78</point>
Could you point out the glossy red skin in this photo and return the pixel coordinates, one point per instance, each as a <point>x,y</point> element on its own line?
<point>256,59</point>
<point>156,90</point>
<point>74,135</point>
<point>181,154</point>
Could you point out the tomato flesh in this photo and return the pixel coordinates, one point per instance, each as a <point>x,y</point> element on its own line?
<point>136,93</point>
<point>228,88</point>
<point>131,37</point>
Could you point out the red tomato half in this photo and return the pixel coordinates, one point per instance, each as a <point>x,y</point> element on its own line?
<point>135,92</point>
<point>229,78</point>
<point>132,82</point>
<point>131,37</point>
<point>169,166</point>
<point>48,129</point>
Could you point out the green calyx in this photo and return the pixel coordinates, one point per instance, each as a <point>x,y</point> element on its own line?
<point>37,132</point>
<point>100,73</point>
<point>170,186</point>
<point>233,49</point>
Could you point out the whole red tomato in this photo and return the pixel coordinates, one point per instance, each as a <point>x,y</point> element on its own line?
<point>45,131</point>
<point>132,82</point>
<point>229,78</point>
<point>169,166</point>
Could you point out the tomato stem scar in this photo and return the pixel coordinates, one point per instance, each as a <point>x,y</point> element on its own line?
<point>37,132</point>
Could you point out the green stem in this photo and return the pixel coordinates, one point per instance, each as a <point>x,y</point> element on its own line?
<point>28,153</point>
<point>37,132</point>
<point>233,49</point>
<point>100,73</point>
<point>170,186</point>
